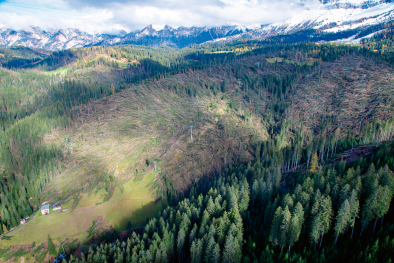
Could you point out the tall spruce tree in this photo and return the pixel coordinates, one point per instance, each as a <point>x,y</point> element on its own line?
<point>314,164</point>
<point>342,219</point>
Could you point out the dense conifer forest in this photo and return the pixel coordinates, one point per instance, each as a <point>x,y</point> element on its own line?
<point>314,184</point>
<point>248,214</point>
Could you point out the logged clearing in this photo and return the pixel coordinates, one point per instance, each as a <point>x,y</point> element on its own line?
<point>107,173</point>
<point>120,136</point>
<point>345,93</point>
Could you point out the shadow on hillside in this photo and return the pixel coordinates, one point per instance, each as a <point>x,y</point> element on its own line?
<point>6,237</point>
<point>140,217</point>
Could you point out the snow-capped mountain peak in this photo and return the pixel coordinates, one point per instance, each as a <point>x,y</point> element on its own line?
<point>327,15</point>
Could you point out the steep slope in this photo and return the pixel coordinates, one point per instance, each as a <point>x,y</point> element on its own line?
<point>227,116</point>
<point>345,94</point>
<point>87,132</point>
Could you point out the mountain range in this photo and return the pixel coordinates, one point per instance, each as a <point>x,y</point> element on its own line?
<point>331,16</point>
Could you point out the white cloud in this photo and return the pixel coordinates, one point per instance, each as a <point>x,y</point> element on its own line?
<point>94,22</point>
<point>98,16</point>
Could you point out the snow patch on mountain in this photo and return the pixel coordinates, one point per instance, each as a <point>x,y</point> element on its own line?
<point>328,19</point>
<point>353,39</point>
<point>326,15</point>
<point>48,39</point>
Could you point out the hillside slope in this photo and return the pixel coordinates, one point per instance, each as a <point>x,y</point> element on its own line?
<point>88,136</point>
<point>345,94</point>
<point>122,134</point>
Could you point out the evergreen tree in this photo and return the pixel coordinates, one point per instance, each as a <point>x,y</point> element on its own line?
<point>181,243</point>
<point>51,247</point>
<point>299,212</point>
<point>216,254</point>
<point>370,208</point>
<point>275,226</point>
<point>383,203</point>
<point>354,209</point>
<point>232,251</point>
<point>284,227</point>
<point>314,164</point>
<point>326,214</point>
<point>200,251</point>
<point>342,219</point>
<point>294,231</point>
<point>315,230</point>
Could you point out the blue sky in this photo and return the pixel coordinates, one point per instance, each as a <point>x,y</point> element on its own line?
<point>100,16</point>
<point>31,7</point>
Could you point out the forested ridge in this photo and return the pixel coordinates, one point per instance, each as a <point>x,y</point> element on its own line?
<point>268,197</point>
<point>247,214</point>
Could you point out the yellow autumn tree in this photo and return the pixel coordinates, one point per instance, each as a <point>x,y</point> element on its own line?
<point>5,230</point>
<point>314,164</point>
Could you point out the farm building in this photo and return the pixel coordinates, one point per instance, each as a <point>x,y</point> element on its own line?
<point>45,209</point>
<point>24,220</point>
<point>56,207</point>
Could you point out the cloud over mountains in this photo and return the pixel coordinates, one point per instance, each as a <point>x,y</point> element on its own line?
<point>99,16</point>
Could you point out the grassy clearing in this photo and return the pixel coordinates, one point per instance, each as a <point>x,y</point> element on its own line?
<point>60,71</point>
<point>310,61</point>
<point>134,205</point>
<point>273,60</point>
<point>126,64</point>
<point>121,62</point>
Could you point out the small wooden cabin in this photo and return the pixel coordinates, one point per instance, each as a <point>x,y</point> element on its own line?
<point>45,209</point>
<point>56,207</point>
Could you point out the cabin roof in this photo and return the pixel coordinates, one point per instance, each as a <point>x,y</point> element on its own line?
<point>45,207</point>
